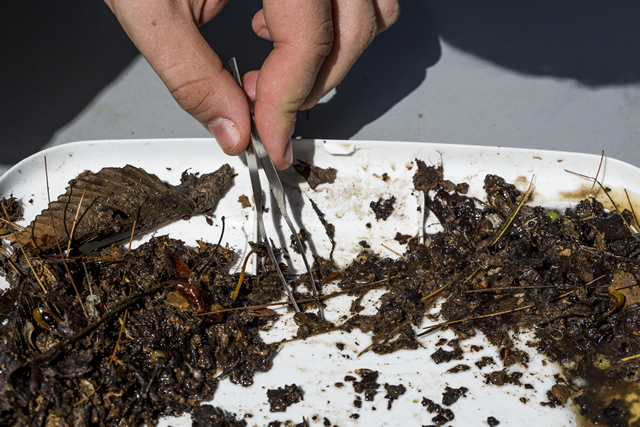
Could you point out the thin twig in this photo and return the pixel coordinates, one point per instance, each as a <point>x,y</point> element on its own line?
<point>627,359</point>
<point>244,268</point>
<point>389,249</point>
<point>611,200</point>
<point>300,301</point>
<point>597,173</point>
<point>326,331</point>
<point>512,217</point>
<point>55,233</point>
<point>633,212</point>
<point>215,251</point>
<point>131,238</point>
<point>53,351</point>
<point>437,291</point>
<point>12,224</point>
<point>3,252</point>
<point>90,394</point>
<point>75,221</point>
<point>451,322</point>
<point>388,337</point>
<point>124,319</point>
<point>511,288</point>
<point>24,253</point>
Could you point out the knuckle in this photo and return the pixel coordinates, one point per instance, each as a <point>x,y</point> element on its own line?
<point>321,43</point>
<point>194,96</point>
<point>388,13</point>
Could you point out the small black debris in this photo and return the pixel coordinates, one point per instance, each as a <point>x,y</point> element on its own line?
<point>492,421</point>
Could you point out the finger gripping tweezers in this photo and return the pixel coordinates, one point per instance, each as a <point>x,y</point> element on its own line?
<point>259,154</point>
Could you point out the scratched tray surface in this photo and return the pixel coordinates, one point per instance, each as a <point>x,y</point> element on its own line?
<point>317,364</point>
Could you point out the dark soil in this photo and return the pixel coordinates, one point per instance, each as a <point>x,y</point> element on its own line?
<point>154,341</point>
<point>281,398</point>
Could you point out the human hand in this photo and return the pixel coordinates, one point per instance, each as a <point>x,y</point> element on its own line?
<point>315,44</point>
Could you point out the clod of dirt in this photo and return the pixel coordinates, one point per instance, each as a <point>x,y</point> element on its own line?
<point>368,385</point>
<point>383,208</point>
<point>315,175</point>
<point>281,398</point>
<point>393,392</point>
<point>451,395</point>
<point>209,416</point>
<point>244,201</point>
<point>458,368</point>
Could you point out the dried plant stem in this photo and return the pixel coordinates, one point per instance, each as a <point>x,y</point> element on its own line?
<point>630,358</point>
<point>326,331</point>
<point>90,394</point>
<point>3,252</point>
<point>131,238</point>
<point>215,252</point>
<point>389,249</point>
<point>12,224</point>
<point>452,322</point>
<point>300,301</point>
<point>55,233</point>
<point>240,280</point>
<point>24,253</point>
<point>53,351</point>
<point>75,221</point>
<point>124,319</point>
<point>388,337</point>
<point>633,211</point>
<point>438,291</point>
<point>597,174</point>
<point>611,200</point>
<point>512,217</point>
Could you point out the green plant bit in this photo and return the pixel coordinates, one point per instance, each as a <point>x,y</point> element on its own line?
<point>553,216</point>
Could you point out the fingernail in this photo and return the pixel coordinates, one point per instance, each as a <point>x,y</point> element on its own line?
<point>225,132</point>
<point>288,153</point>
<point>264,33</point>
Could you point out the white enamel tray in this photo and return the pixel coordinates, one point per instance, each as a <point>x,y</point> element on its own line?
<point>317,364</point>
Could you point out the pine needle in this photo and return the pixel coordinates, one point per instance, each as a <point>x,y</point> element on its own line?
<point>512,217</point>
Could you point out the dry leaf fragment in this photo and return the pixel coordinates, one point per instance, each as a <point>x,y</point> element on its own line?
<point>116,197</point>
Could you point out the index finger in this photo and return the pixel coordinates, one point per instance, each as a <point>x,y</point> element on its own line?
<point>302,33</point>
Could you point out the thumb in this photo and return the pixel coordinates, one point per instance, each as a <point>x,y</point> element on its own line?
<point>167,35</point>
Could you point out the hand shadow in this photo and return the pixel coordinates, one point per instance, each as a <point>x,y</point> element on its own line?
<point>592,42</point>
<point>56,57</point>
<point>393,66</point>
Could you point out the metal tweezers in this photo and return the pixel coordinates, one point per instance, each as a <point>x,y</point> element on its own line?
<point>255,153</point>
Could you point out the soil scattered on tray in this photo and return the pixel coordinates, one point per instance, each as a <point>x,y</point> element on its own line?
<point>155,328</point>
